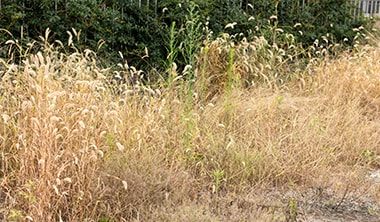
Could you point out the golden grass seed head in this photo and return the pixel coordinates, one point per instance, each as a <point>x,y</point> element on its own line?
<point>5,117</point>
<point>120,146</point>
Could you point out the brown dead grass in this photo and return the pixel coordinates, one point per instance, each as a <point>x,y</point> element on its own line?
<point>72,150</point>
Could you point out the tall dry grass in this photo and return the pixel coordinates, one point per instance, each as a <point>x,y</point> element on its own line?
<point>74,150</point>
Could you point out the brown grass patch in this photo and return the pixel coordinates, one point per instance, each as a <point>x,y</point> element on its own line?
<point>73,150</point>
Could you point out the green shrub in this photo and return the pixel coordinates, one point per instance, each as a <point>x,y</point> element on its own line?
<point>123,26</point>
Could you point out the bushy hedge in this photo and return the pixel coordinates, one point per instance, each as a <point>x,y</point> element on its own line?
<point>130,29</point>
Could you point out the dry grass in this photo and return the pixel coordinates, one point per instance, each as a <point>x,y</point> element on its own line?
<point>72,150</point>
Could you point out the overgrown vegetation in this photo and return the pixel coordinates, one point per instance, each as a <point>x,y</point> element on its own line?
<point>268,125</point>
<point>76,148</point>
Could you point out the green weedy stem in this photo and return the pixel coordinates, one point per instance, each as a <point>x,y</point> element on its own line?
<point>192,36</point>
<point>173,51</point>
<point>230,77</point>
<point>230,71</point>
<point>229,109</point>
<point>202,80</point>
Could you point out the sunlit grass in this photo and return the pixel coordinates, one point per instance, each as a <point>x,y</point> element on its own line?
<point>73,148</point>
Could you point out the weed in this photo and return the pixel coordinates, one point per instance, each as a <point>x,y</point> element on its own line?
<point>218,177</point>
<point>172,55</point>
<point>291,210</point>
<point>15,215</point>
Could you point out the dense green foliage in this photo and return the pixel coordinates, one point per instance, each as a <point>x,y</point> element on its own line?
<point>124,26</point>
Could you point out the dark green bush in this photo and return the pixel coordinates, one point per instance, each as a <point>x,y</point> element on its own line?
<point>130,29</point>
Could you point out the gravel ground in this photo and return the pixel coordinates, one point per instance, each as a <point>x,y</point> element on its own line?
<point>346,205</point>
<point>343,203</point>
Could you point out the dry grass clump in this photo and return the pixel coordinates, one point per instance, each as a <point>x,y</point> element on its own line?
<point>74,150</point>
<point>51,136</point>
<point>352,84</point>
<point>253,62</point>
<point>358,79</point>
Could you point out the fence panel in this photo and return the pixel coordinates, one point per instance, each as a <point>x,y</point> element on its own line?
<point>370,7</point>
